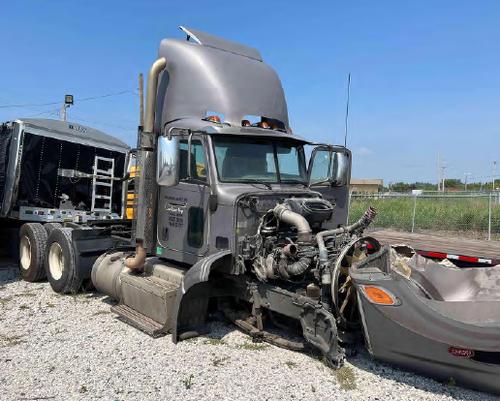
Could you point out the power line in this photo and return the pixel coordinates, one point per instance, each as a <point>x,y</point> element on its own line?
<point>85,99</point>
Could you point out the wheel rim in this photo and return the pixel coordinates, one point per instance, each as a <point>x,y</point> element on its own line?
<point>25,252</point>
<point>56,261</point>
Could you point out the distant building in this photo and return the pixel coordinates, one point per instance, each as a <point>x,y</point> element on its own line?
<point>370,186</point>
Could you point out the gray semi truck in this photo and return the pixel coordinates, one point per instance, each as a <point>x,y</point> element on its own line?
<point>230,219</point>
<point>54,173</point>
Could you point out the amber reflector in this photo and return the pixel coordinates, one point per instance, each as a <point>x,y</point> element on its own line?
<point>264,124</point>
<point>214,119</point>
<point>378,296</point>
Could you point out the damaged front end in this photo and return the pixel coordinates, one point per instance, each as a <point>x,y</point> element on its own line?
<point>297,274</point>
<point>431,318</point>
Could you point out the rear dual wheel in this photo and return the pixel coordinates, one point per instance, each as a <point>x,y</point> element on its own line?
<point>32,248</point>
<point>60,262</point>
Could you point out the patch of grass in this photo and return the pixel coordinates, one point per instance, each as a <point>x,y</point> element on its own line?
<point>451,382</point>
<point>24,307</point>
<point>51,369</point>
<point>346,378</point>
<point>219,361</point>
<point>5,300</point>
<point>50,305</point>
<point>102,312</point>
<point>253,346</point>
<point>464,215</point>
<point>291,364</point>
<point>188,381</point>
<point>10,341</point>
<point>313,389</point>
<point>83,389</point>
<point>214,341</point>
<point>29,293</point>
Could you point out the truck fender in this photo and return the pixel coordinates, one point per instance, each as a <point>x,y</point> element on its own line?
<point>198,273</point>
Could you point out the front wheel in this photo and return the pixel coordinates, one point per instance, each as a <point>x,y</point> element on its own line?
<point>60,263</point>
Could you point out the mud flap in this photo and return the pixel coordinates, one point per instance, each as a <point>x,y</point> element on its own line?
<point>319,329</point>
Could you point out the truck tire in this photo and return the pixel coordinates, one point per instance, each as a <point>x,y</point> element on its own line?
<point>49,227</point>
<point>60,263</point>
<point>32,246</point>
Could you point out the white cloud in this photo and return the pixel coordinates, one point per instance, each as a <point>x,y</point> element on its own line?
<point>363,151</point>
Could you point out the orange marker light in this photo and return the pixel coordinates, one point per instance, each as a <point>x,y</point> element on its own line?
<point>264,124</point>
<point>378,295</point>
<point>213,119</point>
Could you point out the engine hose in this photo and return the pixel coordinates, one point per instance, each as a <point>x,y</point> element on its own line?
<point>285,214</point>
<point>361,224</point>
<point>299,267</point>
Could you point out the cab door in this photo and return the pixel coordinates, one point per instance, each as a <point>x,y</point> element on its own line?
<point>184,212</point>
<point>330,174</point>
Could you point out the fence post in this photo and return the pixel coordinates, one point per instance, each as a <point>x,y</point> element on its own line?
<point>414,212</point>
<point>489,218</point>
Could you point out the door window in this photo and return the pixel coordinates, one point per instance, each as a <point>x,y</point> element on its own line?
<point>198,168</point>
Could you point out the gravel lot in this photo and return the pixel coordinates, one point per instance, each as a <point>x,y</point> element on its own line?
<point>56,347</point>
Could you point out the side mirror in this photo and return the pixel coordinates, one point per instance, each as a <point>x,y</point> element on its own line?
<point>167,168</point>
<point>329,167</point>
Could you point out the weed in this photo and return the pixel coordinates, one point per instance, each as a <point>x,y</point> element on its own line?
<point>102,312</point>
<point>346,378</point>
<point>451,382</point>
<point>188,381</point>
<point>253,346</point>
<point>291,364</point>
<point>5,301</point>
<point>313,389</point>
<point>10,341</point>
<point>219,361</point>
<point>24,307</point>
<point>214,341</point>
<point>83,389</point>
<point>51,369</point>
<point>50,305</point>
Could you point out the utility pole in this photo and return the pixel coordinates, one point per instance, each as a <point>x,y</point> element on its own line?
<point>141,100</point>
<point>68,101</point>
<point>443,168</point>
<point>466,175</point>
<point>439,172</point>
<point>494,174</point>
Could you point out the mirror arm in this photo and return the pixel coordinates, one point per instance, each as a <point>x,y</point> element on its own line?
<point>190,137</point>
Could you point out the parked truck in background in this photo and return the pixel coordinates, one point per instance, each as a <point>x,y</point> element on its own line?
<point>54,173</point>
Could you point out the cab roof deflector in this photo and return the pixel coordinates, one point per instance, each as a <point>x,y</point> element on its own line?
<point>205,39</point>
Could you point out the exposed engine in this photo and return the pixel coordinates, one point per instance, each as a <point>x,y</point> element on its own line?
<point>290,245</point>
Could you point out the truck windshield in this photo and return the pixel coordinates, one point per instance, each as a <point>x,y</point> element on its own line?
<point>259,160</point>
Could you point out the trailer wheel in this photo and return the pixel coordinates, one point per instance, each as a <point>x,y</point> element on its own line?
<point>32,246</point>
<point>60,263</point>
<point>49,227</point>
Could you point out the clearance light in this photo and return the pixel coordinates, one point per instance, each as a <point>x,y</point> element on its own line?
<point>264,124</point>
<point>461,352</point>
<point>245,123</point>
<point>213,119</point>
<point>378,295</point>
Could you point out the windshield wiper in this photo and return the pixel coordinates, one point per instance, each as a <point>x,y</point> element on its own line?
<point>266,184</point>
<point>294,181</point>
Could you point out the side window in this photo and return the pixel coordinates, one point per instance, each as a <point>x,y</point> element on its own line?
<point>320,169</point>
<point>198,166</point>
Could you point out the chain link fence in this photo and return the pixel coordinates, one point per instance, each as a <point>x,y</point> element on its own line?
<point>472,215</point>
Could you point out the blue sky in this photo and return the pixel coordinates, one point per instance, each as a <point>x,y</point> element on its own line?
<point>425,75</point>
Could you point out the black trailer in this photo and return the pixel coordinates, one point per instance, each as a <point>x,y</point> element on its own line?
<point>55,173</point>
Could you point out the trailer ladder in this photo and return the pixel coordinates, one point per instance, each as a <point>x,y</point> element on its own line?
<point>102,184</point>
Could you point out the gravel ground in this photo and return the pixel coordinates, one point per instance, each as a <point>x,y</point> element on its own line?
<point>55,347</point>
